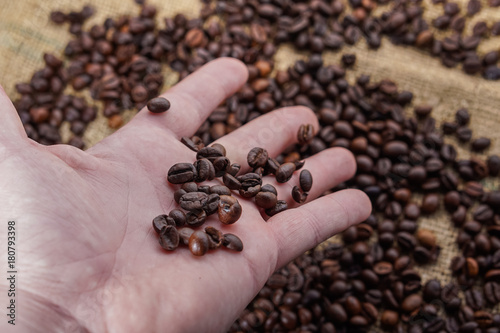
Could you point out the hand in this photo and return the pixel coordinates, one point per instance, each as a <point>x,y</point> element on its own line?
<point>87,255</point>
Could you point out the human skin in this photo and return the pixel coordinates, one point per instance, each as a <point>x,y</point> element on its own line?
<point>88,258</point>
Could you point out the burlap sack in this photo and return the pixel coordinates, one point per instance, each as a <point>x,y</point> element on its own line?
<point>26,33</point>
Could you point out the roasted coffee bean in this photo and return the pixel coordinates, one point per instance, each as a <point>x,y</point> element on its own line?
<point>257,157</point>
<point>160,222</point>
<point>494,165</point>
<point>305,134</point>
<point>210,153</point>
<point>480,144</point>
<point>204,170</point>
<point>285,172</point>
<point>199,243</point>
<point>193,201</point>
<point>492,292</point>
<point>266,199</point>
<point>305,180</point>
<point>232,242</point>
<point>189,143</point>
<point>280,206</point>
<point>464,134</point>
<point>231,182</point>
<point>474,299</point>
<point>389,319</point>
<point>221,164</point>
<point>190,187</point>
<point>184,235</point>
<point>430,203</point>
<point>178,194</point>
<point>169,238</point>
<point>196,218</point>
<point>233,169</point>
<point>229,210</point>
<point>411,303</point>
<point>158,105</point>
<point>269,188</point>
<point>220,190</point>
<point>215,237</point>
<point>211,206</point>
<point>431,290</point>
<point>426,238</point>
<point>298,195</point>
<point>181,173</point>
<point>462,117</point>
<point>178,216</point>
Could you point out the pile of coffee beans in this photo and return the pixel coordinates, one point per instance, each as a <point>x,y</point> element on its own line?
<point>201,201</point>
<point>403,162</point>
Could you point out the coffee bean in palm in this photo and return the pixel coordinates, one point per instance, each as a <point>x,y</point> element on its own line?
<point>199,243</point>
<point>220,165</point>
<point>184,234</point>
<point>190,187</point>
<point>196,218</point>
<point>193,200</point>
<point>298,195</point>
<point>220,190</point>
<point>181,173</point>
<point>189,143</point>
<point>160,222</point>
<point>220,148</point>
<point>299,164</point>
<point>257,157</point>
<point>169,238</point>
<point>231,182</point>
<point>305,180</point>
<point>232,242</point>
<point>265,199</point>
<point>178,194</point>
<point>204,170</point>
<point>210,153</point>
<point>212,204</point>
<point>269,188</point>
<point>285,172</point>
<point>280,206</point>
<point>215,237</point>
<point>158,105</point>
<point>305,134</point>
<point>229,209</point>
<point>234,169</point>
<point>178,216</point>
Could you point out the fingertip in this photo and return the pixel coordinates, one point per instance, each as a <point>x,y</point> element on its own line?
<point>363,205</point>
<point>349,160</point>
<point>233,65</point>
<point>304,113</point>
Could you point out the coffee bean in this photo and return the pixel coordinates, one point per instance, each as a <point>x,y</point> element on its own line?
<point>285,172</point>
<point>193,201</point>
<point>184,235</point>
<point>430,203</point>
<point>462,117</point>
<point>178,216</point>
<point>196,218</point>
<point>212,204</point>
<point>464,134</point>
<point>298,195</point>
<point>480,144</point>
<point>181,173</point>
<point>257,157</point>
<point>280,206</point>
<point>411,303</point>
<point>269,188</point>
<point>204,170</point>
<point>169,238</point>
<point>158,105</point>
<point>389,318</point>
<point>220,190</point>
<point>305,180</point>
<point>160,222</point>
<point>210,153</point>
<point>426,238</point>
<point>229,210</point>
<point>231,182</point>
<point>395,149</point>
<point>432,290</point>
<point>199,243</point>
<point>305,134</point>
<point>232,242</point>
<point>266,199</point>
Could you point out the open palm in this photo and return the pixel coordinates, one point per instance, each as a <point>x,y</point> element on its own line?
<point>87,256</point>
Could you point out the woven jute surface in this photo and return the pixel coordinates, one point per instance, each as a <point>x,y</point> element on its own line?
<point>26,33</point>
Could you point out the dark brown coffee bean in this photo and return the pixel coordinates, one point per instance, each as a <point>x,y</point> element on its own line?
<point>423,111</point>
<point>210,153</point>
<point>285,172</point>
<point>160,222</point>
<point>257,157</point>
<point>184,235</point>
<point>395,149</point>
<point>430,203</point>
<point>298,195</point>
<point>269,188</point>
<point>211,206</point>
<point>190,187</point>
<point>305,134</point>
<point>492,292</point>
<point>432,290</point>
<point>181,173</point>
<point>411,303</point>
<point>189,143</point>
<point>169,238</point>
<point>193,201</point>
<point>204,170</point>
<point>266,199</point>
<point>229,210</point>
<point>231,182</point>
<point>215,237</point>
<point>199,243</point>
<point>494,165</point>
<point>389,319</point>
<point>426,238</point>
<point>196,218</point>
<point>474,299</point>
<point>480,144</point>
<point>158,105</point>
<point>233,169</point>
<point>305,180</point>
<point>232,242</point>
<point>178,216</point>
<point>280,206</point>
<point>220,190</point>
